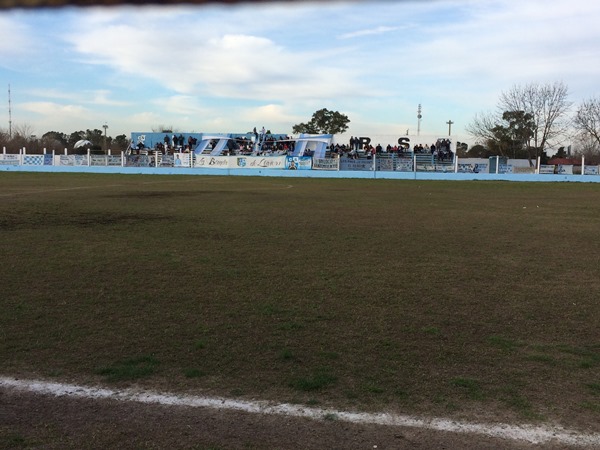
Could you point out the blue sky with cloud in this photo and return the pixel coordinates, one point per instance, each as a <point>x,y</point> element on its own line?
<point>230,68</point>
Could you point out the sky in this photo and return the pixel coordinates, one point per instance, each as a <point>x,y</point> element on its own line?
<point>223,68</point>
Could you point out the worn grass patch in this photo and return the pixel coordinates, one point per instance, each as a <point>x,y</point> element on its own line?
<point>463,298</point>
<point>129,369</point>
<point>321,379</point>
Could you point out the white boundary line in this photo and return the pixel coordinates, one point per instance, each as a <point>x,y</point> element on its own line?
<point>527,433</point>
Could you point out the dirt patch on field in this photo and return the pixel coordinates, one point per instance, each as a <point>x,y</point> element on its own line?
<point>40,421</point>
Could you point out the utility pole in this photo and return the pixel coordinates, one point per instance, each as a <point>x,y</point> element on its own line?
<point>449,127</point>
<point>105,126</point>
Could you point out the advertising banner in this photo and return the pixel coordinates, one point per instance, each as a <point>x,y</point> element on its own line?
<point>257,162</point>
<point>404,165</point>
<point>298,162</point>
<point>33,160</point>
<point>139,161</point>
<point>181,160</point>
<point>72,160</point>
<point>213,162</point>
<point>9,160</point>
<point>356,164</point>
<point>473,168</point>
<point>326,163</point>
<point>385,164</point>
<point>565,169</point>
<point>546,168</point>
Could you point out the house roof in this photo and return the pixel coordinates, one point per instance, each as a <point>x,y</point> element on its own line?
<point>565,161</point>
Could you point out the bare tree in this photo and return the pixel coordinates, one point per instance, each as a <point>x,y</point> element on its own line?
<point>548,106</point>
<point>589,147</point>
<point>23,137</point>
<point>481,127</point>
<point>587,119</point>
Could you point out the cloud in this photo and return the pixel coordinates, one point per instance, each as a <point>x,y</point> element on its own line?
<point>228,65</point>
<point>367,32</point>
<point>269,115</point>
<point>54,109</point>
<point>103,97</point>
<point>16,43</point>
<point>54,116</point>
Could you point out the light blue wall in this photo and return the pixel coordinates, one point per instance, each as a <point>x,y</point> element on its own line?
<point>305,173</point>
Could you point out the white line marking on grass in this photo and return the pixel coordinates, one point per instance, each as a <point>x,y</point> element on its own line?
<point>527,433</point>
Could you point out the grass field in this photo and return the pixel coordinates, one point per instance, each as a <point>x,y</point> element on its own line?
<point>474,300</point>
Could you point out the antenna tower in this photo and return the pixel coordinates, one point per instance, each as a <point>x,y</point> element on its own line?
<point>9,115</point>
<point>419,117</point>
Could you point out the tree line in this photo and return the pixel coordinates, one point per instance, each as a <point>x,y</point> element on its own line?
<point>21,137</point>
<point>531,119</point>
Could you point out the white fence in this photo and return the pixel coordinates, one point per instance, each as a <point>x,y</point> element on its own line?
<point>384,162</point>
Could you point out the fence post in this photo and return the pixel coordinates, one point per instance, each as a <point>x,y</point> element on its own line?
<point>53,157</point>
<point>537,169</point>
<point>414,162</point>
<point>89,158</point>
<point>122,158</point>
<point>582,164</point>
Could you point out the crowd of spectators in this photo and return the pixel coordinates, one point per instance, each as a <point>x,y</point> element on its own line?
<point>268,144</point>
<point>440,150</point>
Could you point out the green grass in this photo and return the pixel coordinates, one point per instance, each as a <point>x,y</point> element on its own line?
<point>366,294</point>
<point>319,380</point>
<point>129,369</point>
<point>471,387</point>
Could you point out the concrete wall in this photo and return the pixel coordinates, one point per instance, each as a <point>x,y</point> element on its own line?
<point>387,175</point>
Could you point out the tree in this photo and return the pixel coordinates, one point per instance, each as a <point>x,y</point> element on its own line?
<point>96,137</point>
<point>54,140</point>
<point>461,149</point>
<point>478,151</point>
<point>324,122</point>
<point>23,137</point>
<point>74,137</point>
<point>120,143</point>
<point>514,135</point>
<point>587,119</point>
<point>529,116</point>
<point>548,107</point>
<point>561,153</point>
<point>585,145</point>
<point>481,127</point>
